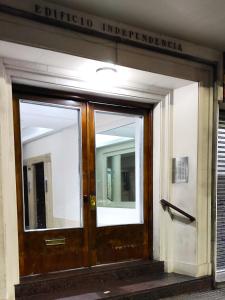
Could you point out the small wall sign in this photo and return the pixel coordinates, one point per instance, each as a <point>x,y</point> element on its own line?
<point>180,170</point>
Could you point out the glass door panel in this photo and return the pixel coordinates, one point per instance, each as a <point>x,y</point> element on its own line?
<point>119,168</point>
<point>51,157</point>
<point>51,175</point>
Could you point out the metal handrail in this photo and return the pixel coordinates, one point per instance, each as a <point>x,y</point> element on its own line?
<point>168,204</point>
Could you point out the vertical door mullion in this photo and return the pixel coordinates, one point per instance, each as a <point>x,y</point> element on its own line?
<point>85,182</point>
<point>91,182</point>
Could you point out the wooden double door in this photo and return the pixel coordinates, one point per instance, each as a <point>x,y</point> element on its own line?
<point>84,181</point>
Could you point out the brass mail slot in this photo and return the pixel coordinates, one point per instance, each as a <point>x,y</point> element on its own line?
<point>55,242</point>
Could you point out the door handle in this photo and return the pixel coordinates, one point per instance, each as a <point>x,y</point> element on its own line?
<point>93,202</point>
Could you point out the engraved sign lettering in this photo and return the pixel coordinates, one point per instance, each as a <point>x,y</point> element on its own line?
<point>124,32</point>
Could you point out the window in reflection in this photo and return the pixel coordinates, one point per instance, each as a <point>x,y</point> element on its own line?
<point>51,156</point>
<point>121,175</point>
<point>37,179</point>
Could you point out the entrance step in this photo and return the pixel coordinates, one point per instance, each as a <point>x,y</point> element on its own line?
<point>136,281</point>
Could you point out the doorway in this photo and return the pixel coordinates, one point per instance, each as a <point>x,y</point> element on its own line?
<point>92,198</point>
<point>37,191</point>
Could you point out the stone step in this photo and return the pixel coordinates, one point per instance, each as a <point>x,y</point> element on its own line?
<point>149,287</point>
<point>84,279</point>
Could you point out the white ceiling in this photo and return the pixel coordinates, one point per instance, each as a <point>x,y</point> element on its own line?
<point>38,120</point>
<point>34,114</point>
<point>106,121</point>
<point>197,21</point>
<point>46,116</point>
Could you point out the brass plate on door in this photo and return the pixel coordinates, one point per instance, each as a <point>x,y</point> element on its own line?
<point>93,202</point>
<point>55,242</point>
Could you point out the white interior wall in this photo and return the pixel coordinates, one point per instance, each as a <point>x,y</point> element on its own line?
<point>118,216</point>
<point>63,147</point>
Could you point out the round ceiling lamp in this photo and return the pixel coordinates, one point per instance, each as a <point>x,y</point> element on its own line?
<point>106,74</point>
<point>106,70</point>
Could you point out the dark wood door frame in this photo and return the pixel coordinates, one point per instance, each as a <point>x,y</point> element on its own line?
<point>87,237</point>
<point>32,246</point>
<point>131,233</point>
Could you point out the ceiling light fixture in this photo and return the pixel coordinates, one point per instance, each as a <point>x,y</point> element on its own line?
<point>106,75</point>
<point>106,70</point>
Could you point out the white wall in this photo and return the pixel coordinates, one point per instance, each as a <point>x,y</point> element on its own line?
<point>184,195</point>
<point>64,149</point>
<point>9,260</point>
<point>176,134</point>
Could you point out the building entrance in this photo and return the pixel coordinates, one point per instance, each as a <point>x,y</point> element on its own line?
<point>84,183</point>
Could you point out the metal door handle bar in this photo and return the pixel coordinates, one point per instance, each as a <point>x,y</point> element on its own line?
<point>166,204</point>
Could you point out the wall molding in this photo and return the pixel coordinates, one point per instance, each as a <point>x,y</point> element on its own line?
<point>9,276</point>
<point>23,72</point>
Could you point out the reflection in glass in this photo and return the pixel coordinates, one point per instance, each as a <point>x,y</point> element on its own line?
<point>50,137</point>
<point>128,177</point>
<point>119,168</point>
<point>109,178</point>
